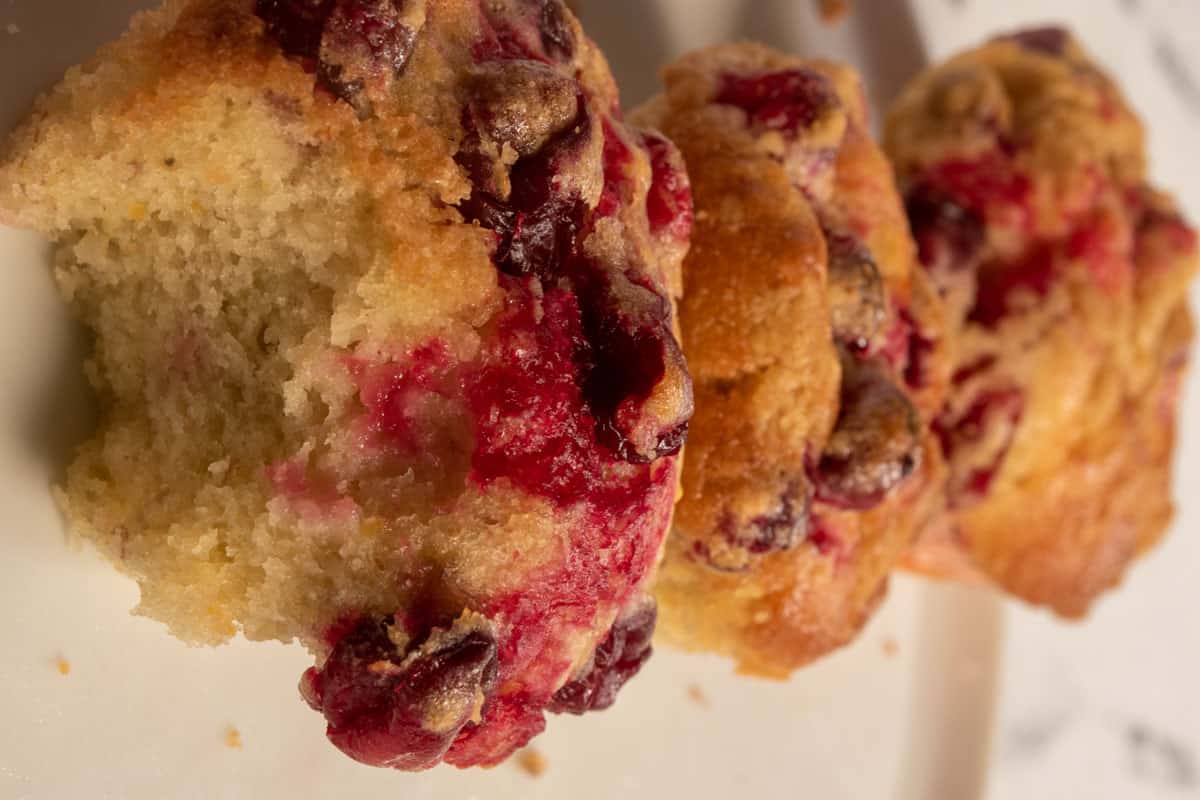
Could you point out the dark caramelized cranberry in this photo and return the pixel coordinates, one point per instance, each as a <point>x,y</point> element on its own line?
<point>948,236</point>
<point>558,38</point>
<point>522,103</point>
<point>856,302</point>
<point>354,45</point>
<point>617,659</point>
<point>365,43</point>
<point>401,709</point>
<point>669,202</point>
<point>876,442</point>
<point>1048,41</point>
<point>296,24</point>
<point>788,101</point>
<point>777,530</point>
<point>537,225</point>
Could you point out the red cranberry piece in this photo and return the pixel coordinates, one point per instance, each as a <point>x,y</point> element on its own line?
<point>402,709</point>
<point>1048,41</point>
<point>296,24</point>
<point>1004,407</point>
<point>824,538</point>
<point>999,284</point>
<point>949,237</point>
<point>989,185</point>
<point>856,302</point>
<point>669,202</point>
<point>876,442</point>
<point>787,101</point>
<point>509,723</point>
<point>617,659</point>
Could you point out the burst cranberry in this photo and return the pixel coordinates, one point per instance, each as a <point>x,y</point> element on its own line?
<point>351,44</point>
<point>948,236</point>
<point>557,36</point>
<point>856,296</point>
<point>617,659</point>
<point>669,203</point>
<point>876,442</point>
<point>296,24</point>
<point>776,530</point>
<point>401,709</point>
<point>364,43</point>
<point>1001,284</point>
<point>989,186</point>
<point>787,101</point>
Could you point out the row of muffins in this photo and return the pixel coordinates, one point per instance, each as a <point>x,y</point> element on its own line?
<point>388,300</point>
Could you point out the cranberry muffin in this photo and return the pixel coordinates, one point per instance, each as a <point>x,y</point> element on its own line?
<point>815,344</point>
<point>383,301</point>
<point>1065,278</point>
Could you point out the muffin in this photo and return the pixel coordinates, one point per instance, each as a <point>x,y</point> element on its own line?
<point>816,348</point>
<point>1065,277</point>
<point>382,294</point>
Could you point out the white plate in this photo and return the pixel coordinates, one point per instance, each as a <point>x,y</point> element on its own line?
<point>906,713</point>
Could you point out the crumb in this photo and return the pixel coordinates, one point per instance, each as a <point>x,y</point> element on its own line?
<point>233,738</point>
<point>890,647</point>
<point>697,696</point>
<point>832,11</point>
<point>532,762</point>
<point>12,29</point>
<point>64,666</point>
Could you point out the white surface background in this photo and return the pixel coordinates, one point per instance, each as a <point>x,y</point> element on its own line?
<point>1106,709</point>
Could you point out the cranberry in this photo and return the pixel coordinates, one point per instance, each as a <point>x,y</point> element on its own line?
<point>777,530</point>
<point>351,44</point>
<point>969,482</point>
<point>669,202</point>
<point>364,42</point>
<point>509,723</point>
<point>787,101</point>
<point>876,442</point>
<point>988,185</point>
<point>856,302</point>
<point>392,394</point>
<point>1000,284</point>
<point>617,659</point>
<point>401,709</point>
<point>558,38</point>
<point>1048,41</point>
<point>545,34</point>
<point>948,235</point>
<point>537,225</point>
<point>823,537</point>
<point>296,24</point>
<point>1104,243</point>
<point>522,103</point>
<point>633,347</point>
<point>908,350</point>
<point>626,322</point>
